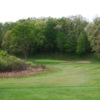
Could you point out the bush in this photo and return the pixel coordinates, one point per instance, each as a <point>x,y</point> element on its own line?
<point>30,64</point>
<point>10,63</point>
<point>3,53</point>
<point>35,65</point>
<point>40,66</point>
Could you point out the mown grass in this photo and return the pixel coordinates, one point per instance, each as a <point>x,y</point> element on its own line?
<point>72,82</point>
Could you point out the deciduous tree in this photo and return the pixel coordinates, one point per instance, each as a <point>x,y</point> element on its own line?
<point>23,35</point>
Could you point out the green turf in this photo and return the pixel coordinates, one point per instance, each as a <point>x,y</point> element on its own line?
<point>72,82</point>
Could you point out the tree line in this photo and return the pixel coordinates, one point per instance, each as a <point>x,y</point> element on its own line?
<point>72,34</point>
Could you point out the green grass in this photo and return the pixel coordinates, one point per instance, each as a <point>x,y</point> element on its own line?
<point>72,82</point>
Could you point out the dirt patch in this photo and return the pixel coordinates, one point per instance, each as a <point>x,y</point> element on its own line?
<point>28,72</point>
<point>77,62</point>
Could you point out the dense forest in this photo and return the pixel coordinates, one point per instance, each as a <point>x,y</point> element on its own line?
<point>31,36</point>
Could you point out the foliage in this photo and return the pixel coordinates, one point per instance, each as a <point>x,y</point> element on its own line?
<point>50,35</point>
<point>61,40</point>
<point>23,36</point>
<point>70,45</point>
<point>93,30</point>
<point>3,53</point>
<point>35,65</point>
<point>10,63</point>
<point>6,43</point>
<point>1,33</point>
<point>83,44</point>
<point>39,35</point>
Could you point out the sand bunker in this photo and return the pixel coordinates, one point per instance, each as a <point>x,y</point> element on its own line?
<point>77,62</point>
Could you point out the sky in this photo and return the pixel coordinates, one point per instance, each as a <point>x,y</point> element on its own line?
<point>13,10</point>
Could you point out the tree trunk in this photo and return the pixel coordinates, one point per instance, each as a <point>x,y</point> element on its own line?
<point>25,57</point>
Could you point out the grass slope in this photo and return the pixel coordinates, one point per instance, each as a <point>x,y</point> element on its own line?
<point>72,82</point>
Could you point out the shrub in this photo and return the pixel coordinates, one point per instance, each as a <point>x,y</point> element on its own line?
<point>30,64</point>
<point>40,66</point>
<point>3,53</point>
<point>11,63</point>
<point>35,65</point>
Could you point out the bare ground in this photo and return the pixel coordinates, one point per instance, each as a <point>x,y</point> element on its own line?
<point>77,62</point>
